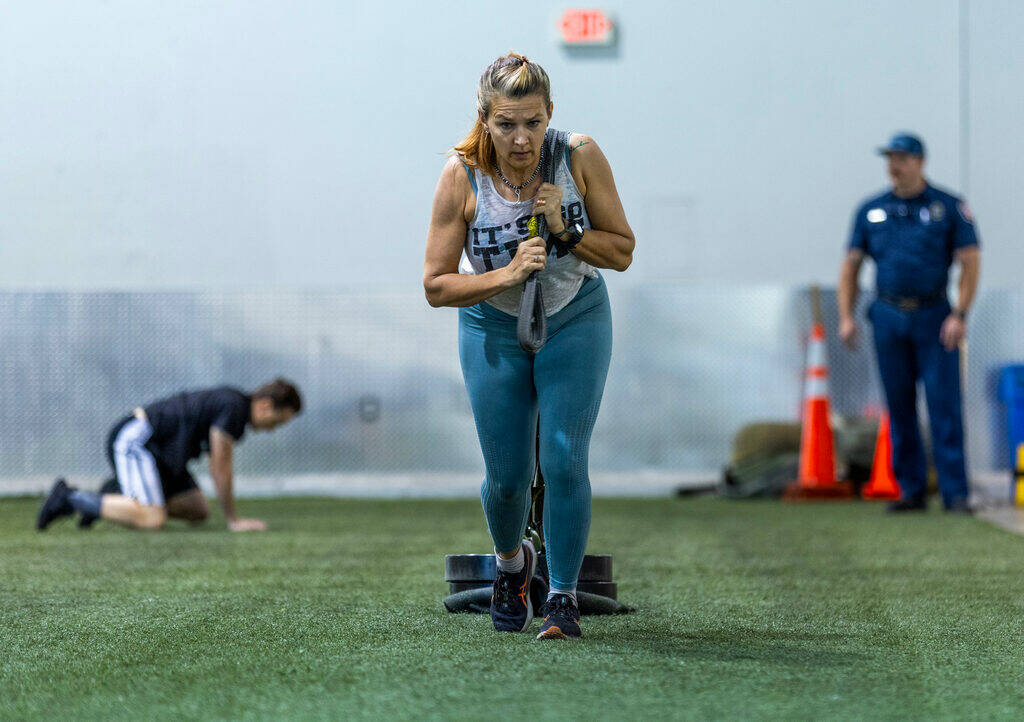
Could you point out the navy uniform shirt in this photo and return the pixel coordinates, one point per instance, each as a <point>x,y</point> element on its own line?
<point>181,424</point>
<point>912,240</point>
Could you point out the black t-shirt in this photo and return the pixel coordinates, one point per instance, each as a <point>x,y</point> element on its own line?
<point>181,423</point>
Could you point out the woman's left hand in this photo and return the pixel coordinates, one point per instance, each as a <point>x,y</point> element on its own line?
<point>549,202</point>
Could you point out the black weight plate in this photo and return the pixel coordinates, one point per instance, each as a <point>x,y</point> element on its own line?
<point>456,587</point>
<point>538,593</point>
<point>605,589</point>
<point>481,568</point>
<point>538,590</point>
<point>595,568</point>
<point>469,567</point>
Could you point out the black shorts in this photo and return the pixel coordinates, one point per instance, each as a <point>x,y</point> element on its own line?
<point>172,481</point>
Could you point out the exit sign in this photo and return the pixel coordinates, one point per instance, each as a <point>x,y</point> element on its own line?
<point>586,27</point>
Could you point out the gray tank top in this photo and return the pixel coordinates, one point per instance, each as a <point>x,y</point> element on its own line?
<point>499,225</point>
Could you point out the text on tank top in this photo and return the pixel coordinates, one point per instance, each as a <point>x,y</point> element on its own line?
<point>498,227</point>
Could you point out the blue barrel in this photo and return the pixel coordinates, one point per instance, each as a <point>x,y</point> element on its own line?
<point>1011,393</point>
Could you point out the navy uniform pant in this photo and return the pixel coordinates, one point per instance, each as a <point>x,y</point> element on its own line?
<point>908,349</point>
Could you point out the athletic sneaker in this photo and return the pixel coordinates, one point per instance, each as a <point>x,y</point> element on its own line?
<point>55,506</point>
<point>561,618</point>
<point>110,486</point>
<point>511,608</point>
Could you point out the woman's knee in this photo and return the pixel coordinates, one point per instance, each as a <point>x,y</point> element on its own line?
<point>564,472</point>
<point>508,475</point>
<point>507,488</point>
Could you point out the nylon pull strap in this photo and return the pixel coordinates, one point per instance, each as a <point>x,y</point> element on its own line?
<point>532,325</point>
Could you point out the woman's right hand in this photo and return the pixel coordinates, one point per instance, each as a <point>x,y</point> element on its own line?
<point>532,255</point>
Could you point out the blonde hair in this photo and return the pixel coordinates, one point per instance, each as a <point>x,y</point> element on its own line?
<point>510,76</point>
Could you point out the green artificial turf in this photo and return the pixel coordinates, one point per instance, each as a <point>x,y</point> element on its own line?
<point>745,610</point>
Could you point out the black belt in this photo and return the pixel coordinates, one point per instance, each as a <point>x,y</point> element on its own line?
<point>912,303</point>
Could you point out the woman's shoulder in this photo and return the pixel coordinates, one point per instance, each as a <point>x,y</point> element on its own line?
<point>458,175</point>
<point>458,186</point>
<point>578,141</point>
<point>456,164</point>
<point>579,158</point>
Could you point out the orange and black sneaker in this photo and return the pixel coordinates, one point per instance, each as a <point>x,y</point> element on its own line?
<point>561,618</point>
<point>511,608</point>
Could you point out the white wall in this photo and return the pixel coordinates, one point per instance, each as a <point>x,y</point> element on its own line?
<point>995,143</point>
<point>217,144</point>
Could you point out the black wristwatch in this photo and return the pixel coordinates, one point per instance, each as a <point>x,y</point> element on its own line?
<point>570,236</point>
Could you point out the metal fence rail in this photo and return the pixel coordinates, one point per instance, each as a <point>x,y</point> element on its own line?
<point>384,391</point>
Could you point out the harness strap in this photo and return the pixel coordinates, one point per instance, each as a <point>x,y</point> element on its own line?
<point>472,176</point>
<point>532,326</point>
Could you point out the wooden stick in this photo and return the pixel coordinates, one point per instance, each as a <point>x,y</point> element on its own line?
<point>816,313</point>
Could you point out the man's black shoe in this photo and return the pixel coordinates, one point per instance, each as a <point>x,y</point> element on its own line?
<point>911,503</point>
<point>55,506</point>
<point>511,606</point>
<point>959,506</point>
<point>110,486</point>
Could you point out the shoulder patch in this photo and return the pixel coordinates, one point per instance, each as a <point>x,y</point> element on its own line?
<point>965,211</point>
<point>877,215</point>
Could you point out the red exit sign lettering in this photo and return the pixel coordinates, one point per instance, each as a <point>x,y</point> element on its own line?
<point>586,27</point>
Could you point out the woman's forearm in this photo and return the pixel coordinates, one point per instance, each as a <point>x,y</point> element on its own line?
<point>603,249</point>
<point>461,289</point>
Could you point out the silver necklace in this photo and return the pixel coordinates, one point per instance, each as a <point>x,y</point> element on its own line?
<point>519,189</point>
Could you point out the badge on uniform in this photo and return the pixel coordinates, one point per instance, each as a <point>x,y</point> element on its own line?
<point>876,215</point>
<point>924,215</point>
<point>938,211</point>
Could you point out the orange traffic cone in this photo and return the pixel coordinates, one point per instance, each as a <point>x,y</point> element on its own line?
<point>817,458</point>
<point>883,484</point>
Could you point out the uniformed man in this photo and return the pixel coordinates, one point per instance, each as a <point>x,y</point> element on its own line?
<point>914,232</point>
<point>150,449</point>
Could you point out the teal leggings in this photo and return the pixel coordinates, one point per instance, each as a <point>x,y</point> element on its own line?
<point>508,388</point>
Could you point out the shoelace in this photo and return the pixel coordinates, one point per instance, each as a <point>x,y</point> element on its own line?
<point>503,593</point>
<point>561,605</point>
